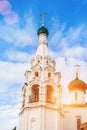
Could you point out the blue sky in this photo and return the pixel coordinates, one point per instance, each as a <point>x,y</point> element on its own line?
<point>66,21</point>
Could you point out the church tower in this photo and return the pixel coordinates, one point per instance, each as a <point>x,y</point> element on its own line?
<point>41,94</point>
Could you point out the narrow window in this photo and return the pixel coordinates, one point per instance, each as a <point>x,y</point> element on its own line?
<point>47,61</point>
<point>78,122</point>
<point>49,74</point>
<point>36,74</point>
<point>35,94</point>
<point>75,95</point>
<point>49,93</point>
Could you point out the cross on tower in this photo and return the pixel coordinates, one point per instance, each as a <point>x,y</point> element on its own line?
<point>77,66</point>
<point>43,14</point>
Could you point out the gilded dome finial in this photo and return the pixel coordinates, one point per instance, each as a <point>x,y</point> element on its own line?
<point>77,66</point>
<point>43,14</point>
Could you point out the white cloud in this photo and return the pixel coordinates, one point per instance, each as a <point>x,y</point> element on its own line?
<point>78,52</point>
<point>11,18</point>
<point>11,73</point>
<point>74,36</point>
<point>18,56</point>
<point>19,36</point>
<point>9,116</point>
<point>74,33</point>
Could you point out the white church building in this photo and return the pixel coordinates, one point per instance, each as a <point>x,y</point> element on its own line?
<point>41,107</point>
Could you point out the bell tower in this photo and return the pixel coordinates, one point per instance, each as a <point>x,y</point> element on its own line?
<point>40,108</point>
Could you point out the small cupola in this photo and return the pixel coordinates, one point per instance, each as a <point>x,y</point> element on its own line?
<point>42,30</point>
<point>77,83</point>
<point>77,89</point>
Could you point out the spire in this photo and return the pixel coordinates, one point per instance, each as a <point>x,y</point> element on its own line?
<point>77,66</point>
<point>43,45</point>
<point>43,29</point>
<point>43,14</point>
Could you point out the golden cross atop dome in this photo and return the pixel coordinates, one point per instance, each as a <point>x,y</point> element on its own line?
<point>76,66</point>
<point>43,14</point>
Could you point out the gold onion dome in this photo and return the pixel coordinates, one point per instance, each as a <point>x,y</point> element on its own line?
<point>77,84</point>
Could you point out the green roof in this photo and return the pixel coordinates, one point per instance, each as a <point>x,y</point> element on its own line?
<point>42,30</point>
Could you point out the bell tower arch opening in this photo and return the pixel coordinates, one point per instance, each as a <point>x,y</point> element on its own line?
<point>49,93</point>
<point>34,93</point>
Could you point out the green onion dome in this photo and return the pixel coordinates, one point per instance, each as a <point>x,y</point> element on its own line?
<point>42,30</point>
<point>77,84</point>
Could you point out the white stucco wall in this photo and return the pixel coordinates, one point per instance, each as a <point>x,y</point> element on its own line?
<point>80,97</point>
<point>70,120</point>
<point>52,120</point>
<point>40,118</point>
<point>30,119</point>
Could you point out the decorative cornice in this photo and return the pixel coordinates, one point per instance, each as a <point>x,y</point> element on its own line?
<point>55,108</point>
<point>74,105</point>
<point>45,43</point>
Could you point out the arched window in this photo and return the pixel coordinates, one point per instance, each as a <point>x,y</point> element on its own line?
<point>38,61</point>
<point>49,94</point>
<point>49,74</point>
<point>36,74</point>
<point>34,93</point>
<point>47,61</point>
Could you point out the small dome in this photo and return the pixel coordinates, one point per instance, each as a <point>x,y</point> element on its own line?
<point>42,30</point>
<point>77,84</point>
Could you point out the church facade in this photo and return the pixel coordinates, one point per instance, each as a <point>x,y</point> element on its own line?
<point>41,107</point>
